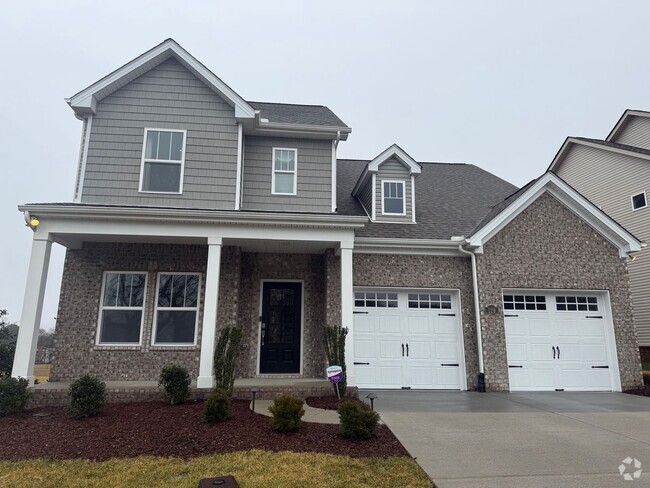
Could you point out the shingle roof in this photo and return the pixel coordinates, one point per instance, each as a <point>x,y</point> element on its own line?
<point>616,145</point>
<point>451,199</point>
<point>287,113</point>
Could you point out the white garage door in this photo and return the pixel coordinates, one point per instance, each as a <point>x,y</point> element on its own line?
<point>407,339</point>
<point>558,341</point>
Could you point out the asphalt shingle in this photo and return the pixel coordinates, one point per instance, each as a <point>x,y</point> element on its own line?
<point>317,115</point>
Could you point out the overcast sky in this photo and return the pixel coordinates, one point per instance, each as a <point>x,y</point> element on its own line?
<point>499,84</point>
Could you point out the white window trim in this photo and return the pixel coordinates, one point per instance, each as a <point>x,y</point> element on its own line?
<point>645,197</point>
<point>154,328</point>
<point>164,161</point>
<point>401,182</point>
<point>295,171</point>
<point>101,309</point>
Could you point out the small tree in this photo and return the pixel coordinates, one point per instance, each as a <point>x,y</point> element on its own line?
<point>8,338</point>
<point>176,381</point>
<point>225,358</point>
<point>335,350</point>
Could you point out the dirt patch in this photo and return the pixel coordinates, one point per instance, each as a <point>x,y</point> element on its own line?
<point>158,429</point>
<point>330,402</point>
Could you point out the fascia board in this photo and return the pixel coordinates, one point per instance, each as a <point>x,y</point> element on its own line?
<point>582,207</point>
<point>241,106</point>
<point>399,153</point>
<point>439,247</point>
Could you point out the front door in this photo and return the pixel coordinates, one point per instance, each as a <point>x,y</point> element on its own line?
<point>280,327</point>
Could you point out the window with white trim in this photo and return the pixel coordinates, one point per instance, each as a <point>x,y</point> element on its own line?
<point>284,179</point>
<point>177,308</point>
<point>639,201</point>
<point>567,303</point>
<point>163,159</point>
<point>373,299</point>
<point>429,300</point>
<point>524,302</point>
<point>122,308</point>
<point>393,198</point>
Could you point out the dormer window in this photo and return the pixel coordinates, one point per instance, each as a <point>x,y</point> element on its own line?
<point>284,179</point>
<point>393,198</point>
<point>163,157</point>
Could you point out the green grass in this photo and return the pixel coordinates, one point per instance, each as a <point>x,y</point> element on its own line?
<point>251,469</point>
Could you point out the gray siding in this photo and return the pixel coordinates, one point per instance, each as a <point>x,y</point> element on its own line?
<point>393,170</point>
<point>365,196</point>
<point>609,180</point>
<point>167,97</point>
<point>635,132</point>
<point>314,166</point>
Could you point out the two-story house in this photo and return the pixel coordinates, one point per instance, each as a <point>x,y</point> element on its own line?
<point>196,209</point>
<point>614,173</point>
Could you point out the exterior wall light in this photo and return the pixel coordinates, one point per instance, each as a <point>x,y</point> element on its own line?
<point>34,222</point>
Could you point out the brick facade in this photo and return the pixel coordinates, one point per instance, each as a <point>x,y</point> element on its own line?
<point>426,272</point>
<point>548,247</point>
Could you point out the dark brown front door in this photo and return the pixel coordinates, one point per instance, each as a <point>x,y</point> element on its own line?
<point>281,324</point>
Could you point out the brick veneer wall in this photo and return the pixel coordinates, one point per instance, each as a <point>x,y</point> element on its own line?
<point>332,277</point>
<point>75,352</point>
<point>267,266</point>
<point>548,247</point>
<point>426,272</point>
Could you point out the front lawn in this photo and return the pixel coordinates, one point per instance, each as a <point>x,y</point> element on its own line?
<point>251,469</point>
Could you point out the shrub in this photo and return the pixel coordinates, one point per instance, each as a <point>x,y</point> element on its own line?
<point>87,396</point>
<point>357,420</point>
<point>13,395</point>
<point>335,351</point>
<point>287,412</point>
<point>175,380</point>
<point>225,357</point>
<point>217,406</point>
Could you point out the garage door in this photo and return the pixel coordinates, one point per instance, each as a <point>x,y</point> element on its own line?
<point>407,339</point>
<point>557,341</point>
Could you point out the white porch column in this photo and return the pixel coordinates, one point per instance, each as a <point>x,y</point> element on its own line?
<point>209,332</point>
<point>30,318</point>
<point>347,316</point>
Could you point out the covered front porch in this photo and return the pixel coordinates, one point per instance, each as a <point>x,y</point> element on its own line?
<point>279,278</point>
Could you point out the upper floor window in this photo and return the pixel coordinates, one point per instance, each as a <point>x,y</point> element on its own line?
<point>163,158</point>
<point>393,198</point>
<point>639,201</point>
<point>284,176</point>
<point>120,319</point>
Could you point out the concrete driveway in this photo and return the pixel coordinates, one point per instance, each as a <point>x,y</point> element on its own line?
<point>469,439</point>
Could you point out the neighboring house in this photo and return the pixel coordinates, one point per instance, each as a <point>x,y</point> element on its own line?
<point>615,175</point>
<point>195,209</point>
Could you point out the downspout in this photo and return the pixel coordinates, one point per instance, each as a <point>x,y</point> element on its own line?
<point>477,314</point>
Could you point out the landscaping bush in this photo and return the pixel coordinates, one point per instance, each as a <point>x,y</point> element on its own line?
<point>217,406</point>
<point>357,420</point>
<point>13,395</point>
<point>335,351</point>
<point>87,396</point>
<point>287,412</point>
<point>175,380</point>
<point>225,357</point>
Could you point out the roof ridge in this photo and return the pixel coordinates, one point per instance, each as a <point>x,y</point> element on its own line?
<point>292,104</point>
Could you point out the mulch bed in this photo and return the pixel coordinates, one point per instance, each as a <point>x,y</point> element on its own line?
<point>330,402</point>
<point>158,429</point>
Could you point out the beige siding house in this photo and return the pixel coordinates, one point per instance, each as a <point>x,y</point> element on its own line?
<point>614,173</point>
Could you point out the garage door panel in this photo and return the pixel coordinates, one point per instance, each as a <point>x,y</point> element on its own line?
<point>390,376</point>
<point>446,351</point>
<point>390,324</point>
<point>543,378</point>
<point>592,328</point>
<point>594,353</point>
<point>517,352</point>
<point>540,352</point>
<point>390,349</point>
<point>366,374</point>
<point>418,325</point>
<point>365,324</point>
<point>365,350</point>
<point>422,377</point>
<point>445,326</point>
<point>419,350</point>
<point>448,377</point>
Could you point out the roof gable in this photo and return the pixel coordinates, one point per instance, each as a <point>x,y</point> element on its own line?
<point>620,125</point>
<point>85,102</point>
<point>392,152</point>
<point>568,196</point>
<point>634,151</point>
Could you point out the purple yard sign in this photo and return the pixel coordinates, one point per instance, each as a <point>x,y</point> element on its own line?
<point>335,374</point>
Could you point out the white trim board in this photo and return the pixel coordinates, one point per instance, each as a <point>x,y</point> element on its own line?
<point>143,160</point>
<point>399,182</point>
<point>579,205</point>
<point>294,172</point>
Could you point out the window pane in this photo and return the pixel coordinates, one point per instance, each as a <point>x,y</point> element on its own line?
<point>165,291</point>
<point>178,291</point>
<point>137,290</point>
<point>121,326</point>
<point>110,290</point>
<point>177,146</point>
<point>124,290</point>
<point>638,201</point>
<point>191,291</point>
<point>283,183</point>
<point>393,205</point>
<point>164,145</point>
<point>161,177</point>
<point>291,161</point>
<point>174,326</point>
<point>151,149</point>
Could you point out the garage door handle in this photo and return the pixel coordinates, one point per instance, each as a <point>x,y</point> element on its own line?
<point>449,364</point>
<point>446,315</point>
<point>402,350</point>
<point>600,367</point>
<point>511,366</point>
<point>360,312</point>
<point>558,352</point>
<point>510,315</point>
<point>594,317</point>
<point>407,350</point>
<point>553,352</point>
<point>356,364</point>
